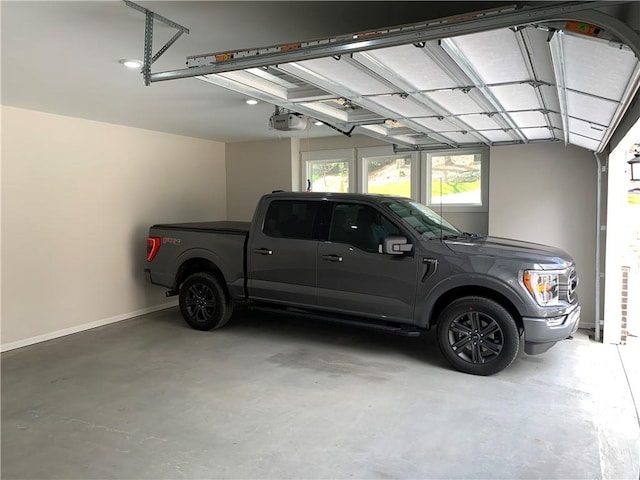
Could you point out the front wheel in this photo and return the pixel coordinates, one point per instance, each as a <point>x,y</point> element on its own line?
<point>203,302</point>
<point>478,336</point>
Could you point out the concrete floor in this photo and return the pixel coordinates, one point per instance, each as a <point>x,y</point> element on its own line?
<point>269,397</point>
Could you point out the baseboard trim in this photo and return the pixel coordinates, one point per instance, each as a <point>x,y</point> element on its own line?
<point>85,326</point>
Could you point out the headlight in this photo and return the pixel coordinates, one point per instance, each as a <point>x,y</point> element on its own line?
<point>543,286</point>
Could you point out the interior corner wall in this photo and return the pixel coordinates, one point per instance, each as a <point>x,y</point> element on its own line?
<point>78,197</point>
<point>546,193</point>
<point>254,169</point>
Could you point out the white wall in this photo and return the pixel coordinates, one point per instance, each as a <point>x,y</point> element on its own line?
<point>78,197</point>
<point>546,193</point>
<point>253,169</point>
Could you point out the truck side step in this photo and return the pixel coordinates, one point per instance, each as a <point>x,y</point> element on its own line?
<point>394,328</point>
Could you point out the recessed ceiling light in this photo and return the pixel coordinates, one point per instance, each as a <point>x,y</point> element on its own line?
<point>318,123</point>
<point>130,63</point>
<point>252,101</point>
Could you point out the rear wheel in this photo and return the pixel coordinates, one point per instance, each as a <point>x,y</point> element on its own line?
<point>478,336</point>
<point>203,302</point>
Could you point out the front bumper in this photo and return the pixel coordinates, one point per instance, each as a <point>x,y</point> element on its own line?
<point>540,336</point>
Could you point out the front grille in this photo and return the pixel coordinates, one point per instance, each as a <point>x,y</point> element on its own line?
<point>568,284</point>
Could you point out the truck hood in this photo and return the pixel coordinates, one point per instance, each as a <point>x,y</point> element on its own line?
<point>545,256</point>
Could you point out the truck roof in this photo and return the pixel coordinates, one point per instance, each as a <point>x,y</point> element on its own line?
<point>367,197</point>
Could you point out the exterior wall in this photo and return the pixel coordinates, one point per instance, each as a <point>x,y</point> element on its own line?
<point>546,193</point>
<point>78,198</point>
<point>622,243</point>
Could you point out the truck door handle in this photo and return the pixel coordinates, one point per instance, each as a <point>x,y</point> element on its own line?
<point>332,258</point>
<point>263,251</point>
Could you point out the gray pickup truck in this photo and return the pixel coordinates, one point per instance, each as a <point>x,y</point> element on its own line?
<point>383,262</point>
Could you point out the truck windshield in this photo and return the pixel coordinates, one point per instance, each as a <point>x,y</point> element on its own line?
<point>422,219</point>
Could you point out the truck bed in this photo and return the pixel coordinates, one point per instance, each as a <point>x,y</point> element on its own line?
<point>238,228</point>
<point>221,243</point>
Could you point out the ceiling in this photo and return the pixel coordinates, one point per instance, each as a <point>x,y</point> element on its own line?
<point>480,88</point>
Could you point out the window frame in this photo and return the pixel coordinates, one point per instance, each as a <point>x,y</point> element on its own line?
<point>326,156</point>
<point>387,151</point>
<point>425,183</point>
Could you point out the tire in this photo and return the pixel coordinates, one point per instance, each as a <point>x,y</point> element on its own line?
<point>203,302</point>
<point>478,336</point>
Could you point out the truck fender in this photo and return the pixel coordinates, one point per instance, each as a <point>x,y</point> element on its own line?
<point>200,253</point>
<point>463,285</point>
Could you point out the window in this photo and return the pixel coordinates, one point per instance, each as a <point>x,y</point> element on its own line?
<point>329,176</point>
<point>360,225</point>
<point>445,180</point>
<point>290,219</point>
<point>423,220</point>
<point>329,171</point>
<point>456,180</point>
<point>386,172</point>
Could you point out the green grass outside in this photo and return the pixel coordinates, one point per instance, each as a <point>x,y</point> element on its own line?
<point>404,188</point>
<point>401,189</point>
<point>451,188</point>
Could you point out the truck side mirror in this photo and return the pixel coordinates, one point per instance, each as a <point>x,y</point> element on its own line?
<point>395,245</point>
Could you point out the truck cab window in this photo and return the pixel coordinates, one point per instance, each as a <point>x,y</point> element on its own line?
<point>290,219</point>
<point>360,225</point>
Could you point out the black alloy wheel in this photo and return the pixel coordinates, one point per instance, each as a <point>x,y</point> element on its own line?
<point>477,335</point>
<point>203,302</point>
